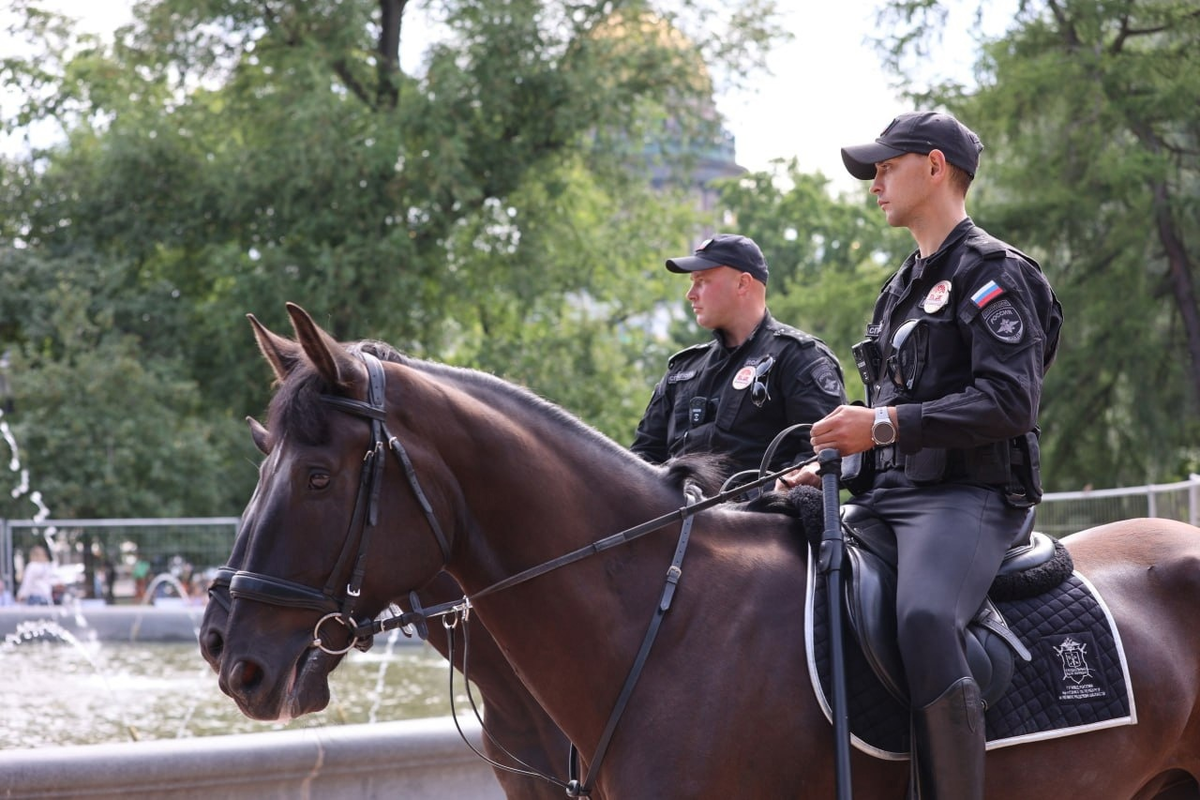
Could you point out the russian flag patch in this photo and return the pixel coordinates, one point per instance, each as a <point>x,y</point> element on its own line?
<point>986,293</point>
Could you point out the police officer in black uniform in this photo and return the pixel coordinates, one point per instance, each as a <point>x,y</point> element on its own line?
<point>757,376</point>
<point>955,354</point>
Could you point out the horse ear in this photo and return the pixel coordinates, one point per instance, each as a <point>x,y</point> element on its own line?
<point>259,434</point>
<point>328,356</point>
<point>282,354</point>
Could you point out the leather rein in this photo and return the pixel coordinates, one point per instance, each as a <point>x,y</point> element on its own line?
<point>263,588</point>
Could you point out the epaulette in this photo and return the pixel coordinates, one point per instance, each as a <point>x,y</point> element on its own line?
<point>989,247</point>
<point>805,339</point>
<point>686,350</point>
<point>986,245</point>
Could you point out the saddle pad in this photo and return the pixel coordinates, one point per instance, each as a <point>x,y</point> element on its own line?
<point>1078,679</point>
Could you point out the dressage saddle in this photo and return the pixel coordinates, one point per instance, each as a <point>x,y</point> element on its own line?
<point>870,601</point>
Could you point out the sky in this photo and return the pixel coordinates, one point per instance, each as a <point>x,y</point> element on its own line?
<point>827,88</point>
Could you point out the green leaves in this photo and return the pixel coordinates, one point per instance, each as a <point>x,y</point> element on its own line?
<point>1088,112</point>
<point>222,157</point>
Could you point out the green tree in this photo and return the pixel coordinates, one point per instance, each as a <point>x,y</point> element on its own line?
<point>221,157</point>
<point>105,431</point>
<point>1088,111</point>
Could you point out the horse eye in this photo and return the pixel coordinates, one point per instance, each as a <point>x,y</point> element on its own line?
<point>318,480</point>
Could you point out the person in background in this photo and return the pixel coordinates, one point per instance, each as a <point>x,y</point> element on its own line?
<point>947,453</point>
<point>37,579</point>
<point>732,394</point>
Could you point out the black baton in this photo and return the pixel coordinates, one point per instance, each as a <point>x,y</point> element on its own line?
<point>829,563</point>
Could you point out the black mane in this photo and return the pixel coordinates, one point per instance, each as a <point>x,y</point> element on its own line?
<point>296,408</point>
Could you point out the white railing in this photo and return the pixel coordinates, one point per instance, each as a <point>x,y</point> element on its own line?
<point>1064,513</point>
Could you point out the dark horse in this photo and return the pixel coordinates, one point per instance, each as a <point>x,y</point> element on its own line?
<point>519,734</point>
<point>498,481</point>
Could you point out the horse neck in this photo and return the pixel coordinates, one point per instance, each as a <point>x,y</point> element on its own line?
<point>532,484</point>
<point>532,487</point>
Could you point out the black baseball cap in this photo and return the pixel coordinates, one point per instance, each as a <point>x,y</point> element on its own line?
<point>916,132</point>
<point>724,250</point>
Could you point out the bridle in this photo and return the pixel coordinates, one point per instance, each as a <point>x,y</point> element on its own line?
<point>338,604</point>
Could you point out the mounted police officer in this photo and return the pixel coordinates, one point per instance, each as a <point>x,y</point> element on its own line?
<point>757,376</point>
<point>954,358</point>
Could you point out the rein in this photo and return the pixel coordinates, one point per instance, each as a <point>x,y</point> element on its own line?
<point>420,615</point>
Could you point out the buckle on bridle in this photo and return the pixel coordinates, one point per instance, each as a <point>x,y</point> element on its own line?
<point>349,623</point>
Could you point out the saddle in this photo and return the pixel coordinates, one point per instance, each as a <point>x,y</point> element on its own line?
<point>870,601</point>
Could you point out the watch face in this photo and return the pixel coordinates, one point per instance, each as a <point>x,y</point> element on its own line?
<point>883,432</point>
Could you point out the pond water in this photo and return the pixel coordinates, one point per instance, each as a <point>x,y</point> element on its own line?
<point>56,690</point>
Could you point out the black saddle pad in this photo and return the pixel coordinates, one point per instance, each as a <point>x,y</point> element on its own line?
<point>1078,679</point>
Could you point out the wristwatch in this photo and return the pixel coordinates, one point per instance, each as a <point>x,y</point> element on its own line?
<point>883,432</point>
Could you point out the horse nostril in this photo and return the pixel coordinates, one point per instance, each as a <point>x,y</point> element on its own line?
<point>211,645</point>
<point>246,675</point>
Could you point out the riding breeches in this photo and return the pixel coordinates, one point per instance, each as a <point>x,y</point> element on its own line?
<point>950,540</point>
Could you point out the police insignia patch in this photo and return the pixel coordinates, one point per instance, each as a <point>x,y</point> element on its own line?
<point>827,380</point>
<point>1004,322</point>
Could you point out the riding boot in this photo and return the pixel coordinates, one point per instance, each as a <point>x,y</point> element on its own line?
<point>948,744</point>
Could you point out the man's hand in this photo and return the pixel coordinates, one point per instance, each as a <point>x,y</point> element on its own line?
<point>805,476</point>
<point>846,429</point>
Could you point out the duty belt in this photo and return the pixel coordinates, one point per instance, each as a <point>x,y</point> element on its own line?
<point>887,457</point>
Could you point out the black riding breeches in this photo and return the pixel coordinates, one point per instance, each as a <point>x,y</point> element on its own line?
<point>950,540</point>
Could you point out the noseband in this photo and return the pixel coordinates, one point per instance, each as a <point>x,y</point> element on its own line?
<point>338,604</point>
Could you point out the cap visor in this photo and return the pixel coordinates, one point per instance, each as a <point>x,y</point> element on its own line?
<point>691,264</point>
<point>860,160</point>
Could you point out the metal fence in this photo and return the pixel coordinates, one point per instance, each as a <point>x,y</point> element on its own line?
<point>104,558</point>
<point>1064,513</point>
<point>118,560</point>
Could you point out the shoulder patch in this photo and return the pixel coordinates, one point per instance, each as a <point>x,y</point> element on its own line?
<point>987,293</point>
<point>1003,321</point>
<point>826,378</point>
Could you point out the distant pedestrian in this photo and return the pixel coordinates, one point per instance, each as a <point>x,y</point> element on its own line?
<point>37,579</point>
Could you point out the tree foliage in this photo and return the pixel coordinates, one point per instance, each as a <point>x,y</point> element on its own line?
<point>219,157</point>
<point>1088,112</point>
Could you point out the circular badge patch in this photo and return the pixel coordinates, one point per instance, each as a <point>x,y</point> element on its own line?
<point>937,298</point>
<point>744,377</point>
<point>1004,322</point>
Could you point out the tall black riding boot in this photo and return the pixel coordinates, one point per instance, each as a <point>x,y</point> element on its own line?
<point>948,744</point>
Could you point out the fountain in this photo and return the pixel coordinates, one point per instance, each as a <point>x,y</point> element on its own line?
<point>115,701</point>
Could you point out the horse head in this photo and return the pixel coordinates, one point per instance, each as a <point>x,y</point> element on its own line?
<point>301,583</point>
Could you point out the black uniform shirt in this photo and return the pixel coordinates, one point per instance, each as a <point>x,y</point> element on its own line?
<point>706,401</point>
<point>985,327</point>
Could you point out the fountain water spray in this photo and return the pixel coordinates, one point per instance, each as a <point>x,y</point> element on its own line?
<point>35,630</point>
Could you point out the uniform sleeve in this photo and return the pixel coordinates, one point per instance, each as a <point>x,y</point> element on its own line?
<point>816,388</point>
<point>650,439</point>
<point>813,388</point>
<point>999,320</point>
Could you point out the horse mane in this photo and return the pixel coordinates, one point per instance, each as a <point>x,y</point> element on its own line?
<point>706,470</point>
<point>805,503</point>
<point>296,408</point>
